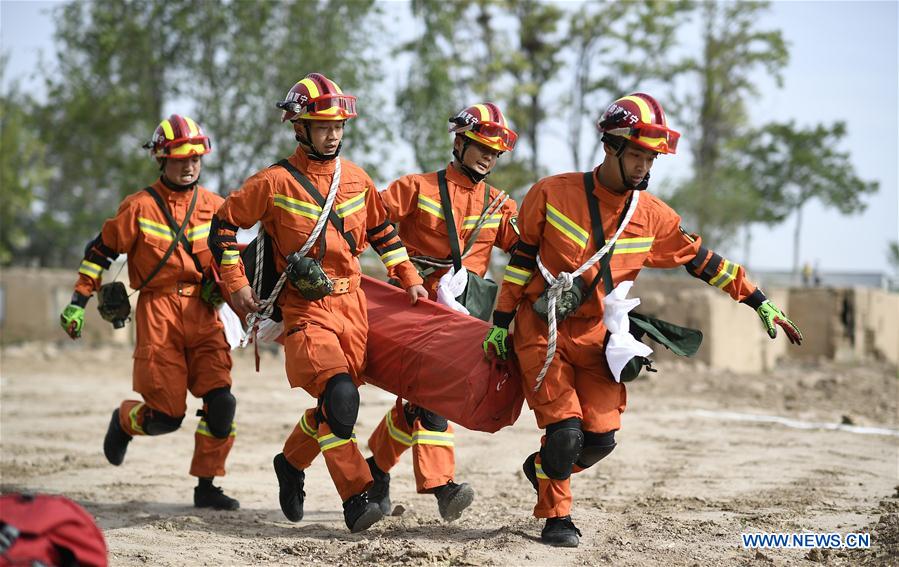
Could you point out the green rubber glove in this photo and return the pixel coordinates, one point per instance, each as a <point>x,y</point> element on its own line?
<point>72,320</point>
<point>498,339</point>
<point>771,316</point>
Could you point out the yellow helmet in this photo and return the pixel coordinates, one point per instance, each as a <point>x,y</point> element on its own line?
<point>316,97</point>
<point>178,137</point>
<point>640,119</point>
<point>484,123</point>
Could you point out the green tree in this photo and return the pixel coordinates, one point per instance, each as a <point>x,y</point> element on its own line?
<point>618,48</point>
<point>507,52</point>
<point>437,82</point>
<point>893,256</point>
<point>789,166</point>
<point>23,160</point>
<point>733,51</point>
<point>121,64</point>
<point>115,68</point>
<point>531,63</point>
<point>248,55</point>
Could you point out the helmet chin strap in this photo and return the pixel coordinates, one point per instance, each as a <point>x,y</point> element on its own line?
<point>627,181</point>
<point>178,188</point>
<point>471,173</point>
<point>310,148</point>
<point>619,145</point>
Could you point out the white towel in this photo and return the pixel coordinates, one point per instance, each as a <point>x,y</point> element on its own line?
<point>451,286</point>
<point>622,345</point>
<point>233,328</point>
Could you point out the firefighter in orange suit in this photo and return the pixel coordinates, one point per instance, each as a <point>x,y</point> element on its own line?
<point>414,203</point>
<point>578,403</point>
<point>324,339</point>
<point>181,345</point>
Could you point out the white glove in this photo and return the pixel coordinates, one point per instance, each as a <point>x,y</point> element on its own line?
<point>622,345</point>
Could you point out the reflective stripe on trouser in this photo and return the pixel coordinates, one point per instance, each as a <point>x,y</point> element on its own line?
<point>347,467</point>
<point>433,455</point>
<point>210,452</point>
<point>553,496</point>
<point>577,384</point>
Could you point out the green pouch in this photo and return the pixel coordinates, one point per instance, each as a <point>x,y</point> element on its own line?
<point>479,296</point>
<point>308,277</point>
<point>565,305</point>
<point>210,292</point>
<point>113,304</point>
<point>682,341</point>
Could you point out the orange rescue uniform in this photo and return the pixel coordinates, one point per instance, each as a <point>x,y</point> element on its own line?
<point>181,344</point>
<point>413,202</point>
<point>555,220</point>
<point>326,337</point>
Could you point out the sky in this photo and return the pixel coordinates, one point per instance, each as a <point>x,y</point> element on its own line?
<point>843,66</point>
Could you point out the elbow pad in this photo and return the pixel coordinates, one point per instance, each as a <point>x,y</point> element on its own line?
<point>222,236</point>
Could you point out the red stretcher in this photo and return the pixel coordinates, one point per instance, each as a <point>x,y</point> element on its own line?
<point>431,356</point>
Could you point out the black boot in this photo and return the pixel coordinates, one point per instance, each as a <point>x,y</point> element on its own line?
<point>453,499</point>
<point>560,532</point>
<point>115,444</point>
<point>379,493</point>
<point>208,496</point>
<point>360,514</point>
<point>290,488</point>
<point>530,470</point>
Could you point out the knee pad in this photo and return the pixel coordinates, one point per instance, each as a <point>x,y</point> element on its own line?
<point>597,447</point>
<point>158,423</point>
<point>431,421</point>
<point>564,441</point>
<point>220,407</point>
<point>340,405</point>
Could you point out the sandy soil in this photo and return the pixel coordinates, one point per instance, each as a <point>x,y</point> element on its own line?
<point>685,481</point>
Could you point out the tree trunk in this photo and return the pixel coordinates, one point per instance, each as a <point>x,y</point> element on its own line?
<point>535,124</point>
<point>747,245</point>
<point>576,116</point>
<point>796,233</point>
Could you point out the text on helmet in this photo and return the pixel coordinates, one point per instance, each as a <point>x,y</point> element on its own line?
<point>297,97</point>
<point>625,114</point>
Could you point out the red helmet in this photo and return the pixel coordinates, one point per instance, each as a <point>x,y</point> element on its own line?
<point>485,124</point>
<point>178,137</point>
<point>639,118</point>
<point>317,97</point>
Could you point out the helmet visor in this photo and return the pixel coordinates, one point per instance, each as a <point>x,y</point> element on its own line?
<point>651,136</point>
<point>325,107</point>
<point>187,147</point>
<point>497,134</point>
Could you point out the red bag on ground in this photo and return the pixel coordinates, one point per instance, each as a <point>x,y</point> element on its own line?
<point>432,356</point>
<point>51,530</point>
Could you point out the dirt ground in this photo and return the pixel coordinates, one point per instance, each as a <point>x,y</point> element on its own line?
<point>690,474</point>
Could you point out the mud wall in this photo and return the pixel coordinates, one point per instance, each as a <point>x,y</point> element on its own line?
<point>848,324</point>
<point>32,299</point>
